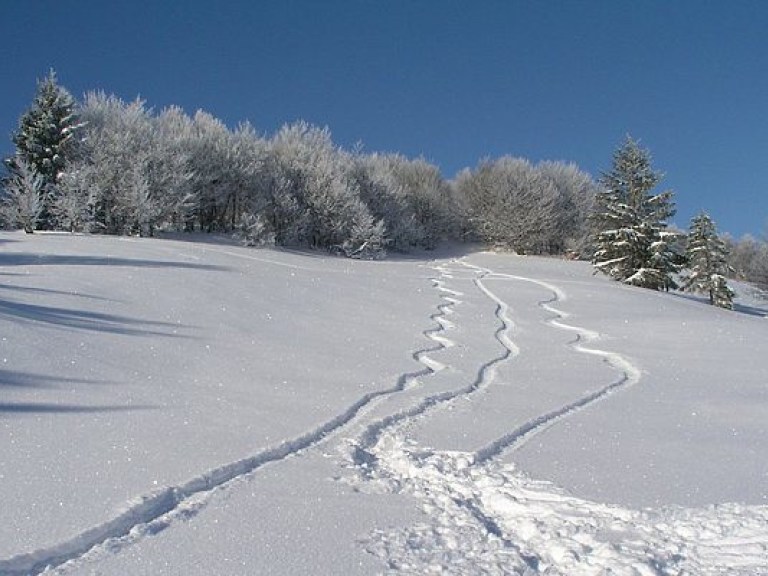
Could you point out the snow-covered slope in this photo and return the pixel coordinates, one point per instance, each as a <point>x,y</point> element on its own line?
<point>184,407</point>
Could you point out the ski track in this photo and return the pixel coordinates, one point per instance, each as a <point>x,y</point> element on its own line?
<point>484,516</point>
<point>629,373</point>
<point>368,439</point>
<point>487,517</point>
<point>154,512</point>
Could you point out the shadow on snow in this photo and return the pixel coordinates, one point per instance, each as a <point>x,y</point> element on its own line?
<point>54,408</point>
<point>30,259</point>
<point>15,379</point>
<point>84,320</point>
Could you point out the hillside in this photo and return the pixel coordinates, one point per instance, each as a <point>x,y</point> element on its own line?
<point>193,407</point>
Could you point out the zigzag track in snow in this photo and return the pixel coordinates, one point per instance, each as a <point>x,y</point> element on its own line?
<point>630,374</point>
<point>152,513</point>
<point>484,516</point>
<point>485,375</point>
<point>443,325</point>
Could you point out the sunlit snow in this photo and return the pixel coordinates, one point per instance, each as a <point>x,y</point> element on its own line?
<point>175,406</point>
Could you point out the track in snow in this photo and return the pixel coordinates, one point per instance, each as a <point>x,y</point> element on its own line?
<point>629,373</point>
<point>373,432</point>
<point>486,517</point>
<point>154,512</point>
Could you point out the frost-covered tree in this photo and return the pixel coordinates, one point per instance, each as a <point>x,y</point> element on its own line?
<point>72,206</point>
<point>632,241</point>
<point>21,203</point>
<point>533,209</point>
<point>706,257</point>
<point>45,139</point>
<point>510,204</point>
<point>574,200</point>
<point>311,198</point>
<point>384,196</point>
<point>117,140</point>
<point>748,259</point>
<point>133,170</point>
<point>430,200</point>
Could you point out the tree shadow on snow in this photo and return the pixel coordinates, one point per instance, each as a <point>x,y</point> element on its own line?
<point>32,290</point>
<point>30,259</point>
<point>15,379</point>
<point>54,408</point>
<point>84,320</point>
<point>443,251</point>
<point>751,310</point>
<point>740,308</point>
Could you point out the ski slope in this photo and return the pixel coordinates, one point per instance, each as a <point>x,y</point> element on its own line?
<point>194,407</point>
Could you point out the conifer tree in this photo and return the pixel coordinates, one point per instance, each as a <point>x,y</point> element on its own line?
<point>633,244</point>
<point>707,256</point>
<point>45,137</point>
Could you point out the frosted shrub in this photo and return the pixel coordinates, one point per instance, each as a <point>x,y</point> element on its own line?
<point>510,204</point>
<point>255,230</point>
<point>384,196</point>
<point>23,199</point>
<point>429,199</point>
<point>311,198</point>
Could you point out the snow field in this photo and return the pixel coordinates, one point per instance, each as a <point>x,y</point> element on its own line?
<point>465,415</point>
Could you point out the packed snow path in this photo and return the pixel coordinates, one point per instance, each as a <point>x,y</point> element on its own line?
<point>488,333</point>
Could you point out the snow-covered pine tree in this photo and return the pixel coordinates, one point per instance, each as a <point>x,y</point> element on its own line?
<point>633,244</point>
<point>45,136</point>
<point>706,254</point>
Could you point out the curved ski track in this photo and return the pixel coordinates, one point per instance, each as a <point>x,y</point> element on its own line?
<point>629,373</point>
<point>484,516</point>
<point>151,513</point>
<point>487,517</point>
<point>485,375</point>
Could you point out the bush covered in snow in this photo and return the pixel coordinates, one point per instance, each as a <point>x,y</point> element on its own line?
<point>532,209</point>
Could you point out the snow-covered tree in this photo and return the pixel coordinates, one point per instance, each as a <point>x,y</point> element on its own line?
<point>45,139</point>
<point>534,209</point>
<point>311,198</point>
<point>575,197</point>
<point>428,197</point>
<point>133,170</point>
<point>748,259</point>
<point>510,204</point>
<point>632,241</point>
<point>21,203</point>
<point>706,255</point>
<point>77,191</point>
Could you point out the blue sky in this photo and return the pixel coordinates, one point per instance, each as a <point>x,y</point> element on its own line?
<point>452,81</point>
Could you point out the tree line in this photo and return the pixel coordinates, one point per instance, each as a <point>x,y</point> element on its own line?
<point>103,165</point>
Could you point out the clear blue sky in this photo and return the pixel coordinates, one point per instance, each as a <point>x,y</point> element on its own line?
<point>452,81</point>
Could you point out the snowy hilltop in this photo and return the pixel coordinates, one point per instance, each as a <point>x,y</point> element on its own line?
<point>195,407</point>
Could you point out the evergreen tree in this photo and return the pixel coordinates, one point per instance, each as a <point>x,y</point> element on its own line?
<point>633,244</point>
<point>707,256</point>
<point>45,138</point>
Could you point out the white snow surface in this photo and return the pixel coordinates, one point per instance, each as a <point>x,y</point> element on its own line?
<point>194,407</point>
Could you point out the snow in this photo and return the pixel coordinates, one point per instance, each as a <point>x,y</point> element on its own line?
<point>189,407</point>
